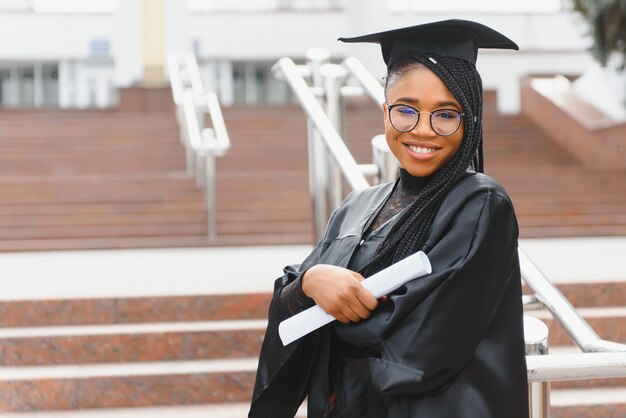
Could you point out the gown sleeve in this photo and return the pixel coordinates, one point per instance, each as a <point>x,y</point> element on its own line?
<point>432,326</point>
<point>283,375</point>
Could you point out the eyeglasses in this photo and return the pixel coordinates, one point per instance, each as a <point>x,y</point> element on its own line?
<point>444,122</point>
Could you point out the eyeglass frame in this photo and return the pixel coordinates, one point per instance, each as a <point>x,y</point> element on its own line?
<point>430,119</point>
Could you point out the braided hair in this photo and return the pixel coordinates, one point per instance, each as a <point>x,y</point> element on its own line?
<point>408,235</point>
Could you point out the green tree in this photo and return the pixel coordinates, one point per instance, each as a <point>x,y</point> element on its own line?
<point>607,20</point>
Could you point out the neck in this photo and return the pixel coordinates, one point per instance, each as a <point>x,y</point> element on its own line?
<point>411,184</point>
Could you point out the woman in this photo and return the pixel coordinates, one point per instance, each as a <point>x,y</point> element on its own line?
<point>449,344</point>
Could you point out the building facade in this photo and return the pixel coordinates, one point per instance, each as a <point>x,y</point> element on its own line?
<point>72,53</point>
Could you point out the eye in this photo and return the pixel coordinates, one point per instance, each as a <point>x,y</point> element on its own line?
<point>446,114</point>
<point>405,110</point>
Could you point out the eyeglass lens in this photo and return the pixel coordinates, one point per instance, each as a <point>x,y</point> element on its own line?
<point>443,121</point>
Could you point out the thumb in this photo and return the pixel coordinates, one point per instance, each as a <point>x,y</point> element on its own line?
<point>358,276</point>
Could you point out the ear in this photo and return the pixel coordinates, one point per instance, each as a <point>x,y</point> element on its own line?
<point>385,112</point>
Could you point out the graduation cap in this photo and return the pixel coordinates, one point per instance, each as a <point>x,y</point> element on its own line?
<point>451,38</point>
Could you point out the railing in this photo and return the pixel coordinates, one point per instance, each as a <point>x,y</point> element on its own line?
<point>202,145</point>
<point>332,167</point>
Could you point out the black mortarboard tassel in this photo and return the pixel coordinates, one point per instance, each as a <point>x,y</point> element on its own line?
<point>452,38</point>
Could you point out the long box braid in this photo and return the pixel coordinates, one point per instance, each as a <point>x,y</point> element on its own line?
<point>408,235</point>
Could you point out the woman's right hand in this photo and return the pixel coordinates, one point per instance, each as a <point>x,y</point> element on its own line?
<point>338,292</point>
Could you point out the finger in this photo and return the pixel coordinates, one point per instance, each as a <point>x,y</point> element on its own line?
<point>361,310</point>
<point>367,299</point>
<point>338,315</point>
<point>383,299</point>
<point>342,318</point>
<point>351,314</point>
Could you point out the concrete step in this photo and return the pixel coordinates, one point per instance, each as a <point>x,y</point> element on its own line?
<point>194,217</point>
<point>223,410</point>
<point>191,382</point>
<point>122,196</point>
<point>64,185</point>
<point>147,342</point>
<point>573,231</point>
<point>596,293</point>
<point>240,219</point>
<point>105,231</point>
<point>609,323</point>
<point>101,208</point>
<point>130,242</point>
<point>267,226</point>
<point>155,342</point>
<point>574,220</point>
<point>20,316</point>
<point>582,403</point>
<point>124,385</point>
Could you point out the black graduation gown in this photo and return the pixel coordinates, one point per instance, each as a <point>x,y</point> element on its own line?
<point>449,344</point>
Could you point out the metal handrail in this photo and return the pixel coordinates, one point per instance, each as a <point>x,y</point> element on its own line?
<point>559,367</point>
<point>191,123</point>
<point>334,142</point>
<point>576,327</point>
<point>202,145</point>
<point>176,82</point>
<point>222,140</point>
<point>367,80</point>
<point>195,79</point>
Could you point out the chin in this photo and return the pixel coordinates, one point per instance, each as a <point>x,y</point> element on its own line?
<point>419,171</point>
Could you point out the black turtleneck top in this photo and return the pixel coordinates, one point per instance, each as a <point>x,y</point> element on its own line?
<point>408,187</point>
<point>405,193</point>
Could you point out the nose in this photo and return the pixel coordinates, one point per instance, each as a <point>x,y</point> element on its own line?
<point>423,128</point>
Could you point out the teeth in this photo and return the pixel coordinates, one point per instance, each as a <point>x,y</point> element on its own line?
<point>421,150</point>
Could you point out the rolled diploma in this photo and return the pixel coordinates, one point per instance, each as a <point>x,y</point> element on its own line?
<point>379,284</point>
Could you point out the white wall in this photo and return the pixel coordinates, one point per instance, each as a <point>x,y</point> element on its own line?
<point>549,41</point>
<point>62,37</point>
<point>127,43</point>
<point>265,36</point>
<point>28,36</point>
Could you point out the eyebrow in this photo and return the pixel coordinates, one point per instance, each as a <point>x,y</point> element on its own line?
<point>416,101</point>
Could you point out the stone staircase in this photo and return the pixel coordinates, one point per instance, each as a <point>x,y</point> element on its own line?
<point>153,355</point>
<point>130,352</point>
<point>116,179</point>
<point>94,179</point>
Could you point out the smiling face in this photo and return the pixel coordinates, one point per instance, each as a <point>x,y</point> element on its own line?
<point>421,151</point>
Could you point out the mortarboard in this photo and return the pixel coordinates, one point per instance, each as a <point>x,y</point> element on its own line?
<point>452,38</point>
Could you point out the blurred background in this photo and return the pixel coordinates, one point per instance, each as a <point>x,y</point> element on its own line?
<point>160,161</point>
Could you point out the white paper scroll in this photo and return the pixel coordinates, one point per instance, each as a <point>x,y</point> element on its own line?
<point>379,284</point>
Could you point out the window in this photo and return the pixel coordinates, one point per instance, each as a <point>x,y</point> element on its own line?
<point>5,87</point>
<point>253,83</point>
<point>26,86</point>
<point>50,85</point>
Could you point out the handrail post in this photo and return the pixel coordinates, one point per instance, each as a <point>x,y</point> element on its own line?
<point>318,160</point>
<point>385,161</point>
<point>210,172</point>
<point>334,77</point>
<point>536,342</point>
<point>202,145</point>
